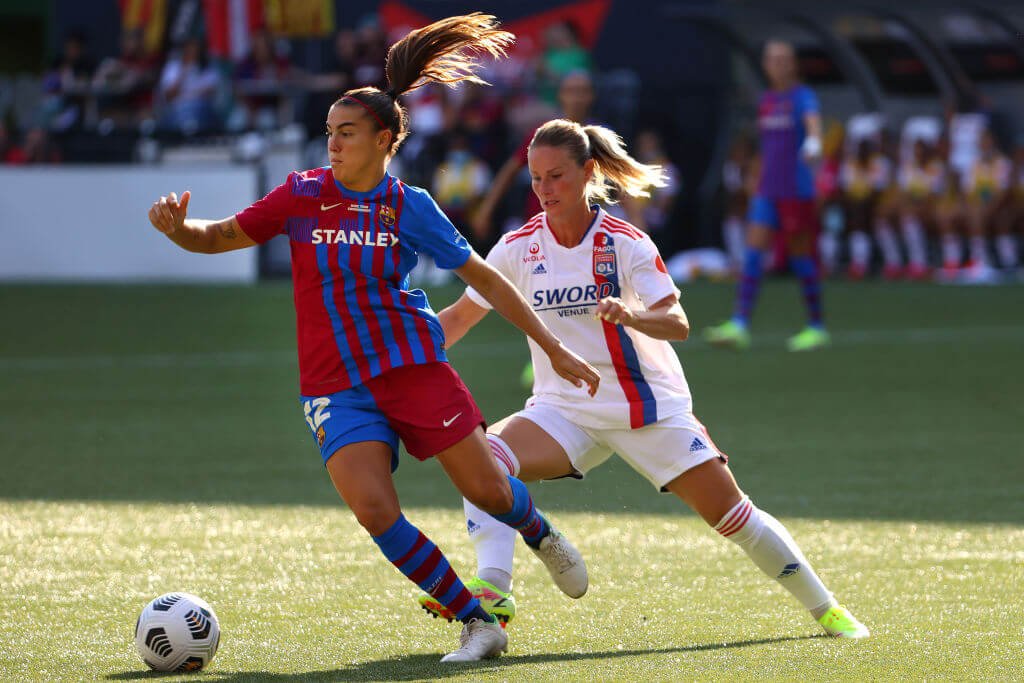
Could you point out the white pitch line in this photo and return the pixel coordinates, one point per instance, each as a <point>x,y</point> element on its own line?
<point>767,341</point>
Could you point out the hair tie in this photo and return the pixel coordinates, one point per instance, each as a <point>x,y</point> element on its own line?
<point>367,108</point>
<point>390,92</point>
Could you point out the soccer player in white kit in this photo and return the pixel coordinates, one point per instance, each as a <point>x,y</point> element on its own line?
<point>600,284</point>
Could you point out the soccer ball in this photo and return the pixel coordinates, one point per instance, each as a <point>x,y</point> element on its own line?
<point>177,632</point>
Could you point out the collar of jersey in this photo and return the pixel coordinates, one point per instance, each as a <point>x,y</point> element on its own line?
<point>352,194</point>
<point>599,213</point>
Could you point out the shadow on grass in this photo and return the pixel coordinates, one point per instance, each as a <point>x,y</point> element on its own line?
<point>427,666</point>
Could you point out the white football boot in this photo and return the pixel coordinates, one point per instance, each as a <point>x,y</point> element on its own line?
<point>564,563</point>
<point>479,640</point>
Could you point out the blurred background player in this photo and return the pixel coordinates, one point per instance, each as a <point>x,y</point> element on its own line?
<point>863,178</point>
<point>650,213</point>
<point>371,352</point>
<point>575,99</point>
<point>921,181</point>
<point>623,327</point>
<point>985,187</point>
<point>790,126</point>
<point>887,209</point>
<point>740,174</point>
<point>830,196</point>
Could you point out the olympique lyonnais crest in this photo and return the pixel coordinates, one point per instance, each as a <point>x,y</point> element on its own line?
<point>604,256</point>
<point>604,264</point>
<point>387,215</point>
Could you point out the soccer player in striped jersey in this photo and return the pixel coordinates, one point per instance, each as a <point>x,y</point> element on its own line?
<point>790,126</point>
<point>601,283</point>
<point>371,352</point>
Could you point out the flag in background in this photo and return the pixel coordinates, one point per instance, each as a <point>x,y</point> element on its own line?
<point>148,15</point>
<point>229,23</point>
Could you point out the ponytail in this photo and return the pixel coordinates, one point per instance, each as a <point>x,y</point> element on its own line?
<point>438,53</point>
<point>614,168</point>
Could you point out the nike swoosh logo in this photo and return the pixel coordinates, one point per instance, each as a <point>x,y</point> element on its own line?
<point>448,423</point>
<point>325,207</point>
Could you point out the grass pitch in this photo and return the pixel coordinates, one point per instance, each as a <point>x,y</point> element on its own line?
<point>151,441</point>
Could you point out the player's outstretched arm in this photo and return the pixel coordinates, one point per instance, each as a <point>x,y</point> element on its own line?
<point>664,320</point>
<point>459,318</point>
<point>506,299</point>
<point>169,216</point>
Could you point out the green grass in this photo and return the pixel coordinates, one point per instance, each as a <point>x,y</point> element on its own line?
<point>151,441</point>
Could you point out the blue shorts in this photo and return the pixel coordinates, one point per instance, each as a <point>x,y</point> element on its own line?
<point>791,214</point>
<point>348,417</point>
<point>426,406</point>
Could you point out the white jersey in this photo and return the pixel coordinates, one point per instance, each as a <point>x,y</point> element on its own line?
<point>641,378</point>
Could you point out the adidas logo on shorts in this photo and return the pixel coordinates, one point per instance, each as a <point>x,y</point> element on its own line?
<point>697,445</point>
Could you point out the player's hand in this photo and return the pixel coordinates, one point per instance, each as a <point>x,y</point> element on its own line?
<point>613,310</point>
<point>168,214</point>
<point>574,369</point>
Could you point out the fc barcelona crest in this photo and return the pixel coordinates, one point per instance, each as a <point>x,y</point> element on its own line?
<point>387,215</point>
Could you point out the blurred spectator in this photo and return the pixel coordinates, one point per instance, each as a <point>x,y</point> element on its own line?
<point>863,177</point>
<point>921,180</point>
<point>1010,221</point>
<point>66,84</point>
<point>575,96</point>
<point>950,216</point>
<point>830,196</point>
<point>739,180</point>
<point>124,84</point>
<point>10,153</point>
<point>260,79</point>
<point>370,56</point>
<point>888,209</point>
<point>38,148</point>
<point>985,185</point>
<point>460,183</point>
<point>188,91</point>
<point>965,129</point>
<point>651,214</point>
<point>482,116</point>
<point>562,55</point>
<point>325,88</point>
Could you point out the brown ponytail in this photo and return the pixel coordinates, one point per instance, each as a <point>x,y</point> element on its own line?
<point>614,168</point>
<point>437,52</point>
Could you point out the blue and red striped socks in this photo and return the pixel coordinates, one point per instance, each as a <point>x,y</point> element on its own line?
<point>750,283</point>
<point>424,564</point>
<point>524,517</point>
<point>806,269</point>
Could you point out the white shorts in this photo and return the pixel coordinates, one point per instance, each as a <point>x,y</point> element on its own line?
<point>660,451</point>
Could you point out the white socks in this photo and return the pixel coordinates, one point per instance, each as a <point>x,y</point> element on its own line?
<point>495,542</point>
<point>913,237</point>
<point>888,244</point>
<point>1006,246</point>
<point>979,253</point>
<point>860,249</point>
<point>773,550</point>
<point>952,251</point>
<point>734,236</point>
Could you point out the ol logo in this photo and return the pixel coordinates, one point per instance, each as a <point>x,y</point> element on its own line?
<point>387,216</point>
<point>315,417</point>
<point>604,264</point>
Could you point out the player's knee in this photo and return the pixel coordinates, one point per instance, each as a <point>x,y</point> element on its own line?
<point>375,516</point>
<point>493,496</point>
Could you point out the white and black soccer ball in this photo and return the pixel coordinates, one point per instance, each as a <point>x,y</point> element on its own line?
<point>177,632</point>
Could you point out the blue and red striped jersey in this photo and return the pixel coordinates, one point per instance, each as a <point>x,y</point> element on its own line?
<point>351,257</point>
<point>780,120</point>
